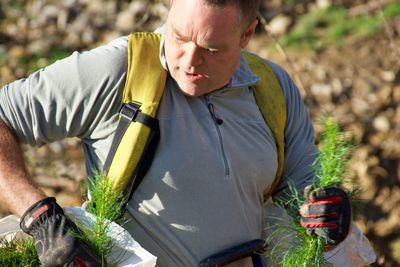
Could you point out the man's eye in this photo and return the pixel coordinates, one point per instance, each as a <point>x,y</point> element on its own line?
<point>178,39</point>
<point>175,38</point>
<point>212,51</point>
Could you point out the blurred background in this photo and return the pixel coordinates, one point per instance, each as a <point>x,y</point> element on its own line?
<point>343,54</point>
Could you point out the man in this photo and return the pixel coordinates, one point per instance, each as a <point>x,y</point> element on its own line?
<point>204,190</point>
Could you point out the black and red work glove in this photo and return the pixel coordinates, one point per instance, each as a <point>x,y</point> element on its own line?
<point>56,236</point>
<point>326,213</point>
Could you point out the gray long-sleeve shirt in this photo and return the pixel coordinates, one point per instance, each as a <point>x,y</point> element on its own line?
<point>204,190</point>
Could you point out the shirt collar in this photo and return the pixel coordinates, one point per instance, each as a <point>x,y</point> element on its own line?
<point>242,77</point>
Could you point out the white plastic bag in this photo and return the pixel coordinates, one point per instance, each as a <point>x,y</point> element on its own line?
<point>354,251</point>
<point>9,228</point>
<point>126,253</point>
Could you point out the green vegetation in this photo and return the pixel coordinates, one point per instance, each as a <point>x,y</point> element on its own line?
<point>18,253</point>
<point>289,244</point>
<point>16,3</point>
<point>391,10</point>
<point>292,246</point>
<point>2,57</point>
<point>333,158</point>
<point>36,61</point>
<point>289,2</point>
<point>105,204</point>
<point>330,26</point>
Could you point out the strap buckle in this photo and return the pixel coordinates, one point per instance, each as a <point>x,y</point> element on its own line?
<point>129,111</point>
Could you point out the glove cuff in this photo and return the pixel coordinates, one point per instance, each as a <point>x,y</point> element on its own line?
<point>38,213</point>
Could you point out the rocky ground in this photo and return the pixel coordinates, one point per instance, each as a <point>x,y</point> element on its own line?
<point>357,83</point>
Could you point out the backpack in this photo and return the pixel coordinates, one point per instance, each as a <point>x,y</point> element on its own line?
<point>137,133</point>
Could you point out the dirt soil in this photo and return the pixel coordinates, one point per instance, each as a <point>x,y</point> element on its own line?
<point>357,83</point>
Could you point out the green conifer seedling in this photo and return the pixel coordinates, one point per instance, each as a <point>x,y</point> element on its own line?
<point>104,203</point>
<point>291,245</point>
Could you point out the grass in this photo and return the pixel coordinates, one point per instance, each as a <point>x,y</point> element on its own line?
<point>391,10</point>
<point>36,61</point>
<point>291,245</point>
<point>18,253</point>
<point>330,26</point>
<point>105,204</point>
<point>16,3</point>
<point>3,57</point>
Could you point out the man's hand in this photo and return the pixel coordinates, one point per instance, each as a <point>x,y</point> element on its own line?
<point>326,213</point>
<point>55,236</point>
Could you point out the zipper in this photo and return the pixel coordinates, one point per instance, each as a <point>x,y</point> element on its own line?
<point>217,122</point>
<point>216,119</point>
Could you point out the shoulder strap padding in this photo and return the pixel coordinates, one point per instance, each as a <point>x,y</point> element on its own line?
<point>145,82</point>
<point>271,101</point>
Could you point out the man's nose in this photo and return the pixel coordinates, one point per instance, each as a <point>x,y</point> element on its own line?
<point>193,55</point>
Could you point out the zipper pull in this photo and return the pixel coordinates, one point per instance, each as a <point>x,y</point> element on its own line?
<point>217,120</point>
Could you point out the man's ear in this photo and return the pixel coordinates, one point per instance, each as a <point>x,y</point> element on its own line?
<point>248,33</point>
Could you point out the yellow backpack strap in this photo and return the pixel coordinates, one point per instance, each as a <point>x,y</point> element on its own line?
<point>271,101</point>
<point>145,82</point>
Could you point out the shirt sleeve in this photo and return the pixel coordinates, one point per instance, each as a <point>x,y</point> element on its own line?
<point>300,148</point>
<point>74,97</point>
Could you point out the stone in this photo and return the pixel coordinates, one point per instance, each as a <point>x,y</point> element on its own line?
<point>279,25</point>
<point>322,92</point>
<point>388,75</point>
<point>381,123</point>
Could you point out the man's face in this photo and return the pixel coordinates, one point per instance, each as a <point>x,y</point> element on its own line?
<point>203,44</point>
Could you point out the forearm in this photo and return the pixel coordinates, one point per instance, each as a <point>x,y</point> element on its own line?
<point>17,191</point>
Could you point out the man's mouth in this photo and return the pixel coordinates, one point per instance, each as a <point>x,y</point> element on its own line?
<point>193,76</point>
